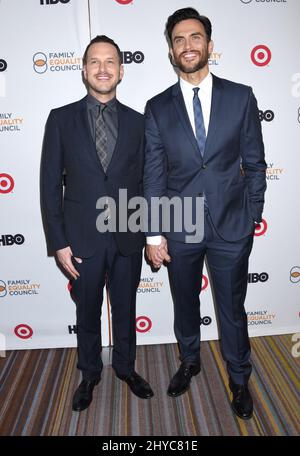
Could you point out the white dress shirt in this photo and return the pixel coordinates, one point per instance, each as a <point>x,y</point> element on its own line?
<point>205,95</point>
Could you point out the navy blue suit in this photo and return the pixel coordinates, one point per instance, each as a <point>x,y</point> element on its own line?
<point>70,220</point>
<point>174,166</point>
<point>69,148</point>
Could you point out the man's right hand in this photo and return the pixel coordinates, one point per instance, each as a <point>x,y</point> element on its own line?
<point>157,254</point>
<point>64,256</point>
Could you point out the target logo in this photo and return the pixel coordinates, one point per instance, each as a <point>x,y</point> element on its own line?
<point>23,331</point>
<point>261,55</point>
<point>260,228</point>
<point>143,324</point>
<point>6,183</point>
<point>3,290</point>
<point>124,2</point>
<point>204,284</point>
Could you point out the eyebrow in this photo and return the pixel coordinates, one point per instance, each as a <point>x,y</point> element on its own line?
<point>105,58</point>
<point>192,34</point>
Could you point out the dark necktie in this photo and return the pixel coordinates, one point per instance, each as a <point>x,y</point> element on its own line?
<point>199,122</point>
<point>101,138</point>
<point>102,150</point>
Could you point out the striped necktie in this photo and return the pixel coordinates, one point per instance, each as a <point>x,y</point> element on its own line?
<point>101,147</point>
<point>199,122</point>
<point>101,138</point>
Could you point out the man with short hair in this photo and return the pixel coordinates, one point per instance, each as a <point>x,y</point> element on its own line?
<point>99,144</point>
<point>203,140</point>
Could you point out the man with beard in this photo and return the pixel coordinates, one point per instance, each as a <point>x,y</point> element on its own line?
<point>98,143</point>
<point>203,139</point>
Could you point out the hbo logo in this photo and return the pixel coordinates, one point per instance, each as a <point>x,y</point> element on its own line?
<point>254,277</point>
<point>129,57</point>
<point>205,321</point>
<point>268,115</point>
<point>8,239</point>
<point>53,2</point>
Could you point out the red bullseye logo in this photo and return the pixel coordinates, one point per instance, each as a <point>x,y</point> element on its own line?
<point>204,283</point>
<point>124,2</point>
<point>261,55</point>
<point>260,228</point>
<point>23,331</point>
<point>6,183</point>
<point>143,324</point>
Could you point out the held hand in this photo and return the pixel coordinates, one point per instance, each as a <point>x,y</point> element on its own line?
<point>163,250</point>
<point>64,256</point>
<point>157,254</point>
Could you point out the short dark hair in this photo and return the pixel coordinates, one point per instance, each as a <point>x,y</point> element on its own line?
<point>102,39</point>
<point>187,13</point>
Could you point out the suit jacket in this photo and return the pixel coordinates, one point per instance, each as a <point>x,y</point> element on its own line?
<point>174,165</point>
<point>68,148</point>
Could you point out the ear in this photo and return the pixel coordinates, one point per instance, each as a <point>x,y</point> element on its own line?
<point>121,72</point>
<point>210,47</point>
<point>84,71</point>
<point>171,55</point>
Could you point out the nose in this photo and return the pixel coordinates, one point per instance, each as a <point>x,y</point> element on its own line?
<point>187,44</point>
<point>101,67</point>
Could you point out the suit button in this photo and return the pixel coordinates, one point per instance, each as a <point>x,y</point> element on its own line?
<point>105,178</point>
<point>204,166</point>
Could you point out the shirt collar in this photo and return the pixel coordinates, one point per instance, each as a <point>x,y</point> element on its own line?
<point>92,102</point>
<point>205,85</point>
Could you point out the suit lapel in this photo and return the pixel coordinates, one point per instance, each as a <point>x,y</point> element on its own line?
<point>183,116</point>
<point>213,120</point>
<point>121,135</point>
<point>82,125</point>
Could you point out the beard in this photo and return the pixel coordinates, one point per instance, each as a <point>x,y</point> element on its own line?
<point>186,68</point>
<point>105,88</point>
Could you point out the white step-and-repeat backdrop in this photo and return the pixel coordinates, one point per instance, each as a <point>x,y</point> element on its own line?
<point>42,42</point>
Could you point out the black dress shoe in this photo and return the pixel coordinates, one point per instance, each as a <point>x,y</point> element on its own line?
<point>83,396</point>
<point>137,384</point>
<point>242,403</point>
<point>180,383</point>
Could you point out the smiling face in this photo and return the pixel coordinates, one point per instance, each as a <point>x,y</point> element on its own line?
<point>103,71</point>
<point>190,49</point>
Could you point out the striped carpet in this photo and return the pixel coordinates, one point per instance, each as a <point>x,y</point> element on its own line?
<point>36,389</point>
